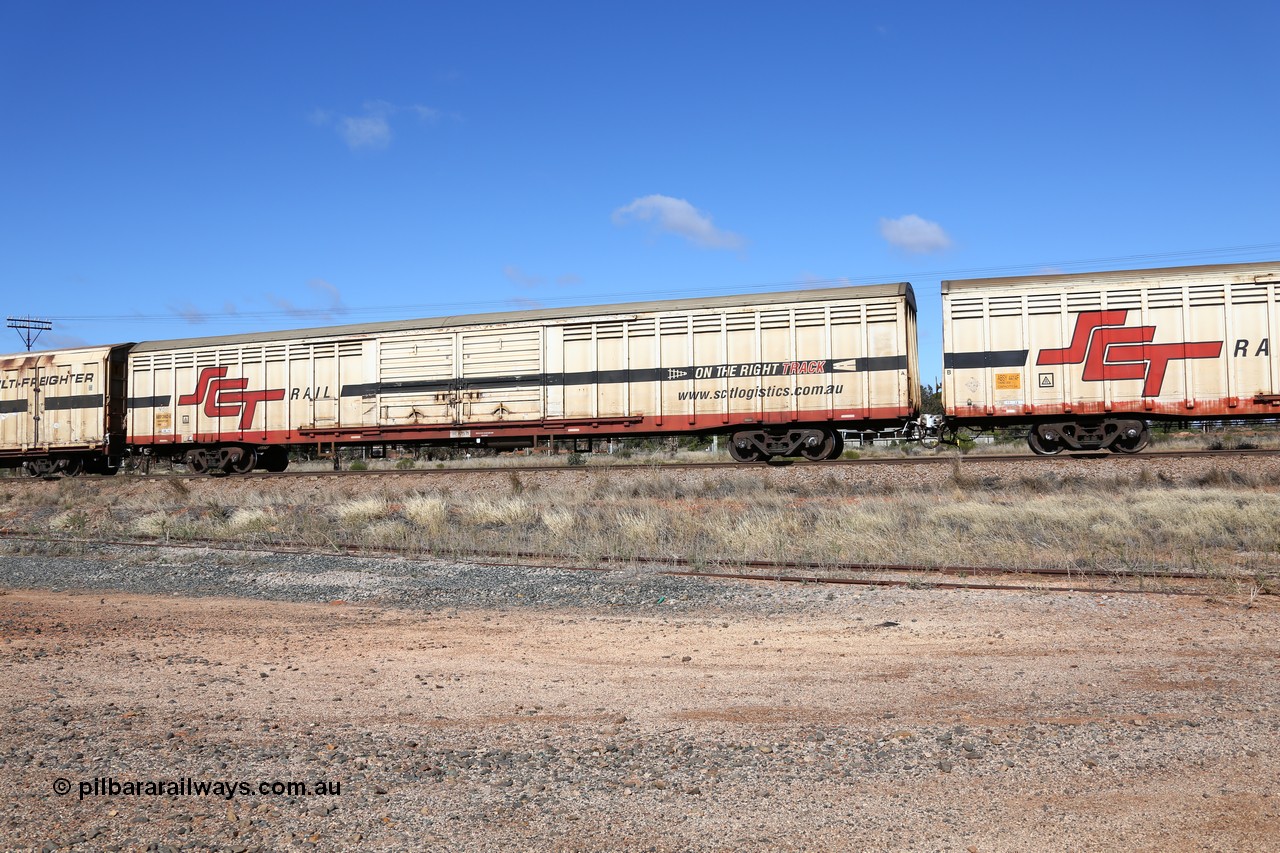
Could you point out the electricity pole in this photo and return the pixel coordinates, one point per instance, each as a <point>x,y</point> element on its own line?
<point>28,329</point>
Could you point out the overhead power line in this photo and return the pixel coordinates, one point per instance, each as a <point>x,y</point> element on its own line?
<point>437,308</point>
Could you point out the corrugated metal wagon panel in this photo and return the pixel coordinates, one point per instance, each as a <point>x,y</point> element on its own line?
<point>55,401</point>
<point>1184,342</point>
<point>844,354</point>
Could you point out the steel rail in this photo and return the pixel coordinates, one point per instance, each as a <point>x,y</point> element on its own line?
<point>563,562</point>
<point>603,468</point>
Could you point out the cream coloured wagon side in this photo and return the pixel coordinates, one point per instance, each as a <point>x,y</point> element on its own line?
<point>1088,359</point>
<point>63,410</point>
<point>782,373</point>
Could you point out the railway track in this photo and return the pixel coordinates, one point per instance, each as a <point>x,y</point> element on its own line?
<point>1019,579</point>
<point>610,467</point>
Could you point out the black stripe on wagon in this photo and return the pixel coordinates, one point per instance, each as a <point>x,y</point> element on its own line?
<point>749,370</point>
<point>77,401</point>
<point>9,407</point>
<point>879,363</point>
<point>149,402</point>
<point>972,360</point>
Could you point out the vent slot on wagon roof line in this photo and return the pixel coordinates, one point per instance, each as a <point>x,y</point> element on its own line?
<point>775,319</point>
<point>1089,300</point>
<point>1207,294</point>
<point>609,332</point>
<point>810,317</point>
<point>708,322</point>
<point>1249,293</point>
<point>967,307</point>
<point>1123,299</point>
<point>1005,306</point>
<point>1164,297</point>
<point>1044,303</point>
<point>885,312</point>
<point>641,328</point>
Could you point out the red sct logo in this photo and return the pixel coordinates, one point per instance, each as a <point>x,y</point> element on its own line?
<point>224,398</point>
<point>1111,350</point>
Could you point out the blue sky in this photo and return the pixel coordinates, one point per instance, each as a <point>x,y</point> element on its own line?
<point>174,169</point>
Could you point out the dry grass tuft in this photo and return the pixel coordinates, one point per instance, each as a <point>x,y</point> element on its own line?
<point>428,512</point>
<point>559,521</point>
<point>152,524</point>
<point>359,510</point>
<point>249,520</point>
<point>503,512</point>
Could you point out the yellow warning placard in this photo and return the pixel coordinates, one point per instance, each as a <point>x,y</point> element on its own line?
<point>1008,381</point>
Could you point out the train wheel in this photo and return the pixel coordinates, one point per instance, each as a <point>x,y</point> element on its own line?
<point>822,450</point>
<point>73,467</point>
<point>197,461</point>
<point>838,450</point>
<point>38,467</point>
<point>241,460</point>
<point>1132,441</point>
<point>1042,446</point>
<point>742,450</point>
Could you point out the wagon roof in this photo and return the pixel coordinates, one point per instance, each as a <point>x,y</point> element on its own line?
<point>871,291</point>
<point>1250,272</point>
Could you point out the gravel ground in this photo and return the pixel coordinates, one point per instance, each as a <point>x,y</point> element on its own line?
<point>491,708</point>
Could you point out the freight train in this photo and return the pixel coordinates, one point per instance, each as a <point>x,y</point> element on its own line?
<point>1085,361</point>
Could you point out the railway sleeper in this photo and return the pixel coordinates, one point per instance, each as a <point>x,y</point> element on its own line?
<point>1119,435</point>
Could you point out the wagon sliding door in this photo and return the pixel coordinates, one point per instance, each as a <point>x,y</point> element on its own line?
<point>500,375</point>
<point>416,379</point>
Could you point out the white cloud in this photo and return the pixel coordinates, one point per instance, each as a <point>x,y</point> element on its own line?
<point>287,306</point>
<point>329,291</point>
<point>677,216</point>
<point>365,132</point>
<point>914,234</point>
<point>336,305</point>
<point>372,129</point>
<point>518,276</point>
<point>189,312</point>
